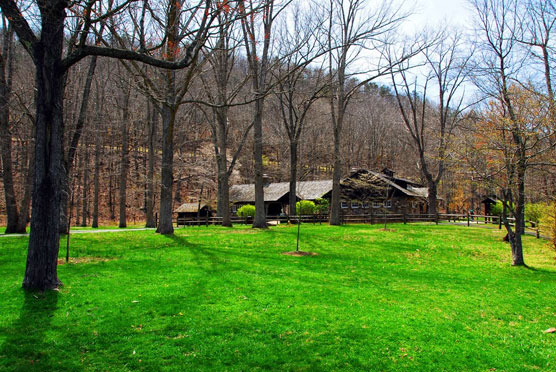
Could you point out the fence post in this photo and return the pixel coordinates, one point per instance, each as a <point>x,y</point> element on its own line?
<point>467,219</point>
<point>207,220</point>
<point>499,222</point>
<point>436,218</point>
<point>404,219</point>
<point>538,234</point>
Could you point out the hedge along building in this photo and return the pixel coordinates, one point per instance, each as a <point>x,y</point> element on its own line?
<point>362,192</point>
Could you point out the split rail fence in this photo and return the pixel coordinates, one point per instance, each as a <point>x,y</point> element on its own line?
<point>442,218</point>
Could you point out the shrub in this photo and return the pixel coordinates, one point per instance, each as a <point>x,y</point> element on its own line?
<point>534,212</point>
<point>496,209</point>
<point>304,207</point>
<point>321,206</point>
<point>247,210</point>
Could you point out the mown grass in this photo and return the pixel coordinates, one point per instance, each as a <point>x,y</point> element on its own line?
<point>414,298</point>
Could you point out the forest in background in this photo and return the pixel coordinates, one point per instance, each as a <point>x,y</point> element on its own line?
<point>297,91</point>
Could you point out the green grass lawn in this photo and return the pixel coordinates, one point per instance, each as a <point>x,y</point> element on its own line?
<point>414,298</point>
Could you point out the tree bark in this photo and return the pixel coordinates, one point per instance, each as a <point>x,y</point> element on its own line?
<point>12,213</point>
<point>84,192</point>
<point>260,213</point>
<point>433,192</point>
<point>96,181</point>
<point>124,161</point>
<point>335,211</point>
<point>25,202</point>
<point>41,267</point>
<point>293,177</point>
<point>165,225</point>
<point>72,150</point>
<point>149,197</point>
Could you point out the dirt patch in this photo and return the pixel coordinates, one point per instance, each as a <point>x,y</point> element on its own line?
<point>300,253</point>
<point>83,260</point>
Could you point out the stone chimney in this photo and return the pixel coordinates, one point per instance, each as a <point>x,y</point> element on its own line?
<point>266,180</point>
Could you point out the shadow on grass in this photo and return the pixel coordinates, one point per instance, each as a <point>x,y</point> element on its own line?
<point>25,347</point>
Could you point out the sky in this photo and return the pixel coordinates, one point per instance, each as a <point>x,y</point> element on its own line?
<point>431,12</point>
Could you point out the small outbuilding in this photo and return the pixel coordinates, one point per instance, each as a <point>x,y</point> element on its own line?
<point>191,210</point>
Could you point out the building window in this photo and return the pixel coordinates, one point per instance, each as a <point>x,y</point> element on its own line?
<point>354,205</point>
<point>365,205</point>
<point>234,208</point>
<point>388,204</point>
<point>344,205</point>
<point>376,204</point>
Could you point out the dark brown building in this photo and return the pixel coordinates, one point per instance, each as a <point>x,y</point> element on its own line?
<point>362,192</point>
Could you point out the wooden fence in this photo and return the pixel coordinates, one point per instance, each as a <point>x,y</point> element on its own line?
<point>386,218</point>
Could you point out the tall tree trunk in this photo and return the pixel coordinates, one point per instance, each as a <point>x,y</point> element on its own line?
<point>12,225</point>
<point>335,211</point>
<point>165,225</point>
<point>432,198</point>
<point>260,213</point>
<point>25,202</point>
<point>149,207</point>
<point>517,248</point>
<point>84,193</point>
<point>221,149</point>
<point>124,160</point>
<point>72,150</point>
<point>293,177</point>
<point>96,177</point>
<point>41,267</point>
<point>111,203</point>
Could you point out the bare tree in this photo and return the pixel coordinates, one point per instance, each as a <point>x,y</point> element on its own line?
<point>255,33</point>
<point>431,123</point>
<point>222,85</point>
<point>351,29</point>
<point>46,48</point>
<point>298,85</point>
<point>501,60</point>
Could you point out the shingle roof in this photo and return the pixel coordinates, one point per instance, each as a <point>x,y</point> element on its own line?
<point>307,190</point>
<point>190,208</point>
<point>311,190</point>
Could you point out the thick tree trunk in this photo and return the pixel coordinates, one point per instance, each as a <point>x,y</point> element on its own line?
<point>42,258</point>
<point>260,213</point>
<point>335,211</point>
<point>221,149</point>
<point>517,247</point>
<point>165,225</point>
<point>293,177</point>
<point>124,161</point>
<point>149,195</point>
<point>432,198</point>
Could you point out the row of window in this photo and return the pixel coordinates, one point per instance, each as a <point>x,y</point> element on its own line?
<point>376,204</point>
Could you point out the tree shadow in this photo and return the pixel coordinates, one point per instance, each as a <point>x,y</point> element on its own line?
<point>25,347</point>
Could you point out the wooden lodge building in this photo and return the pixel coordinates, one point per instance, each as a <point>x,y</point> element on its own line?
<point>362,192</point>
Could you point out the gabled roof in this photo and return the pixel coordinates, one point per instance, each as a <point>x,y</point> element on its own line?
<point>311,190</point>
<point>246,193</point>
<point>190,207</point>
<point>410,191</point>
<point>307,190</point>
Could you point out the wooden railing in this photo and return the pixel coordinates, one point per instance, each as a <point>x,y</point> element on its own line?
<point>465,219</point>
